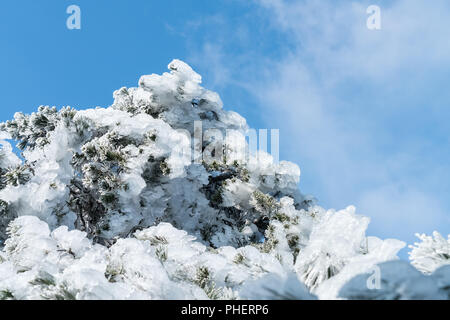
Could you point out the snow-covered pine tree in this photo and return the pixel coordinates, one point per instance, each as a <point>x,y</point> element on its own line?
<point>105,203</point>
<point>431,253</point>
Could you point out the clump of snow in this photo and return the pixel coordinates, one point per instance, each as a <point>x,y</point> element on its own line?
<point>336,238</point>
<point>156,263</point>
<point>431,253</point>
<point>378,251</point>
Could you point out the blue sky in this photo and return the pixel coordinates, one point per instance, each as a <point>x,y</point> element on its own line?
<point>363,112</point>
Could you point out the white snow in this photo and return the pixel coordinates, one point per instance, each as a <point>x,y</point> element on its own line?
<point>107,203</point>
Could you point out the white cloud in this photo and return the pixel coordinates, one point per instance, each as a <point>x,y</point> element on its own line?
<point>334,34</point>
<point>333,46</point>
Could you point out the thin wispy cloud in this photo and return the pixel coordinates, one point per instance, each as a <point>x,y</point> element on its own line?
<point>360,110</point>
